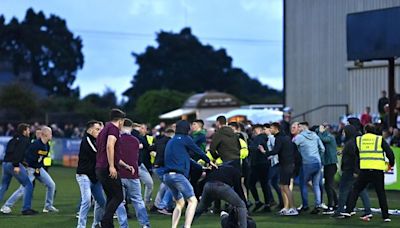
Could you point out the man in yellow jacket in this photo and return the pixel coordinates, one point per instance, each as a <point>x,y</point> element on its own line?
<point>373,152</point>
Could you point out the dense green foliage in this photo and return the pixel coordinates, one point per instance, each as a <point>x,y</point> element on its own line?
<point>155,102</point>
<point>181,62</point>
<point>44,46</point>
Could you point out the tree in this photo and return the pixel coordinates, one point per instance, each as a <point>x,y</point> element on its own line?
<point>19,100</point>
<point>46,47</point>
<point>95,106</point>
<point>155,102</point>
<point>182,63</point>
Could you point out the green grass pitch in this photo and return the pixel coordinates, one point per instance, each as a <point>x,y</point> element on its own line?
<point>67,197</point>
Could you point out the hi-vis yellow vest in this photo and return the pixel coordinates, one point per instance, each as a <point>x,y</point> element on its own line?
<point>47,161</point>
<point>372,155</point>
<point>150,141</point>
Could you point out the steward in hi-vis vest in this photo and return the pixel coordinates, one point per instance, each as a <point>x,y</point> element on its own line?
<point>373,152</point>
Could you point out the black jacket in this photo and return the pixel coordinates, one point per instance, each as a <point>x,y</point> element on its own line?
<point>144,153</point>
<point>350,160</point>
<point>87,157</point>
<point>160,149</point>
<point>16,149</point>
<point>255,155</point>
<point>381,104</point>
<point>284,148</point>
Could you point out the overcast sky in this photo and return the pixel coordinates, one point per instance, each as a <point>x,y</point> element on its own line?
<point>250,31</point>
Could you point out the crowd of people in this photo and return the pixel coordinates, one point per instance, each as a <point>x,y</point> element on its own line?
<point>67,131</point>
<point>118,157</point>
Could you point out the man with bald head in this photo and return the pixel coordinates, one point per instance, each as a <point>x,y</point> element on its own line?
<point>35,154</point>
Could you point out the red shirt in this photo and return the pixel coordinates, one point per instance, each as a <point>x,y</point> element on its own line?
<point>101,142</point>
<point>129,145</point>
<point>366,119</point>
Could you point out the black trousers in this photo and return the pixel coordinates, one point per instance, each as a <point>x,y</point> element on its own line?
<point>376,178</point>
<point>113,190</point>
<point>329,175</point>
<point>259,173</point>
<point>222,191</point>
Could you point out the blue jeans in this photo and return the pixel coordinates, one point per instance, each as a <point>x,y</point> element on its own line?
<point>132,190</point>
<point>311,172</point>
<point>179,186</point>
<point>22,178</point>
<point>122,215</point>
<point>345,186</point>
<point>146,179</point>
<point>45,179</point>
<point>164,196</point>
<point>89,189</point>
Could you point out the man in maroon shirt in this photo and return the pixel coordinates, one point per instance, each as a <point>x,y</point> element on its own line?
<point>129,146</point>
<point>107,164</point>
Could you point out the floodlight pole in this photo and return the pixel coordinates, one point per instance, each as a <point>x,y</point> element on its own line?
<point>392,98</point>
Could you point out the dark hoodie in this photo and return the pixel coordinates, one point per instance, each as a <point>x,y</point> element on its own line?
<point>225,144</point>
<point>16,149</point>
<point>256,156</point>
<point>144,153</point>
<point>350,159</point>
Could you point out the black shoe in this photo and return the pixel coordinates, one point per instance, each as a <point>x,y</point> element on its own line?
<point>328,211</point>
<point>267,208</point>
<point>257,206</point>
<point>164,212</point>
<point>29,212</point>
<point>338,216</point>
<point>154,209</point>
<point>302,209</point>
<point>315,211</point>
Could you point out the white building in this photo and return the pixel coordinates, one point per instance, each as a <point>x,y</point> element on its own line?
<point>316,70</point>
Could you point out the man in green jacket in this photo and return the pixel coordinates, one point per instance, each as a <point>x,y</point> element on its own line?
<point>329,160</point>
<point>199,134</point>
<point>225,144</point>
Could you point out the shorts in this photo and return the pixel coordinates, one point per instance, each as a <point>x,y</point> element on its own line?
<point>285,174</point>
<point>179,185</point>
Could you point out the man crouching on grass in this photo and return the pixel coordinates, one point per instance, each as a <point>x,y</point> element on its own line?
<point>177,164</point>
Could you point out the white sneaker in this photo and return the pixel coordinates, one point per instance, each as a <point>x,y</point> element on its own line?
<point>283,211</point>
<point>323,206</point>
<point>387,220</point>
<point>5,210</point>
<point>291,212</point>
<point>50,209</point>
<point>223,213</point>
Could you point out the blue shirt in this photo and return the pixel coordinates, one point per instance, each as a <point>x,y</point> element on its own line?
<point>177,154</point>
